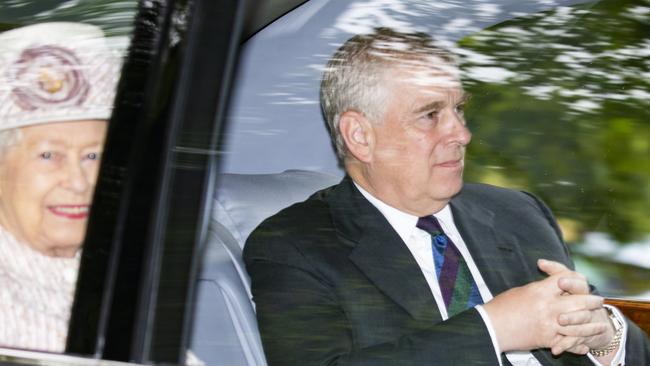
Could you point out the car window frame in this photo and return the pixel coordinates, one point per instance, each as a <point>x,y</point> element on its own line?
<point>134,296</point>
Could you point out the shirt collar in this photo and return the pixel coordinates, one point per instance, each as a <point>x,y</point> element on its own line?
<point>402,222</point>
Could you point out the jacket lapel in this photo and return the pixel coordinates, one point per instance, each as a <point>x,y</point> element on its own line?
<point>380,253</point>
<point>388,263</point>
<point>498,257</point>
<point>494,253</point>
<point>383,257</point>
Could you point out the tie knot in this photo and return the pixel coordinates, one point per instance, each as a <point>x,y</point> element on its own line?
<point>429,224</point>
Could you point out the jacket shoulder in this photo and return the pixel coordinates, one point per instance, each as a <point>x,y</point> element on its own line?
<point>292,230</point>
<point>498,197</point>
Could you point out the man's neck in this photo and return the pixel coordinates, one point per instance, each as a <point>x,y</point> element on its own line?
<point>385,195</point>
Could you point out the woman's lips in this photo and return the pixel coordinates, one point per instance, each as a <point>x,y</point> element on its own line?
<point>70,211</point>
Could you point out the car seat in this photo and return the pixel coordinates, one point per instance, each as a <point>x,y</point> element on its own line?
<point>224,330</point>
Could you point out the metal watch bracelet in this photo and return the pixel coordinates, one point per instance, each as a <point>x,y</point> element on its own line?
<point>616,340</point>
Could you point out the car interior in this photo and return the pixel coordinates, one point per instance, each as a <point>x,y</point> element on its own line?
<point>275,151</point>
<point>242,201</point>
<point>275,114</point>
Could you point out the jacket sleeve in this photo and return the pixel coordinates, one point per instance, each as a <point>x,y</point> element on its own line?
<point>637,344</point>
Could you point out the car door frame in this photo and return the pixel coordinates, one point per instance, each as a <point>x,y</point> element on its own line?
<point>149,217</point>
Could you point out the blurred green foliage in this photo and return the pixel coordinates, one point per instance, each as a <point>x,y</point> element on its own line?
<point>561,107</point>
<point>115,17</point>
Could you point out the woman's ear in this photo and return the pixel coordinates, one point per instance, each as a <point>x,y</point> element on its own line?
<point>358,134</point>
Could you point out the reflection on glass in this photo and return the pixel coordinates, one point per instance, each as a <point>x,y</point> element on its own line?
<point>57,85</point>
<point>561,108</point>
<point>114,17</point>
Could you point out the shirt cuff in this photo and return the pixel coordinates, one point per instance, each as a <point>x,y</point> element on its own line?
<point>490,328</point>
<point>619,358</point>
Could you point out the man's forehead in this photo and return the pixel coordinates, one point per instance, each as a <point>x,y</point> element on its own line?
<point>438,77</point>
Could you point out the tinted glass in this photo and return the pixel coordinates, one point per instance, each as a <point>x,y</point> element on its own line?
<point>60,64</point>
<point>558,108</point>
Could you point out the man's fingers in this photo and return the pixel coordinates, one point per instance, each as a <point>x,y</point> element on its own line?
<point>580,349</point>
<point>575,286</point>
<point>556,268</point>
<point>583,330</point>
<point>551,267</point>
<point>575,317</point>
<point>569,304</point>
<point>569,344</point>
<point>593,302</point>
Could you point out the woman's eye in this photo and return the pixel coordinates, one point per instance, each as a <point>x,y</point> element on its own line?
<point>92,156</point>
<point>51,156</point>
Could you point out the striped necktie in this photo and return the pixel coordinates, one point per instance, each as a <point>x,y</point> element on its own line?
<point>457,285</point>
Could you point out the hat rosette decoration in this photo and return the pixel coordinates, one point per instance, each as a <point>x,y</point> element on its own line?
<point>53,72</point>
<point>48,75</point>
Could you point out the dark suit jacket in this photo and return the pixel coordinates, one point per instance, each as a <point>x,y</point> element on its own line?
<point>335,285</point>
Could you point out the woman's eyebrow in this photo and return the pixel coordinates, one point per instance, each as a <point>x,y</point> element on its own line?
<point>49,141</point>
<point>55,142</point>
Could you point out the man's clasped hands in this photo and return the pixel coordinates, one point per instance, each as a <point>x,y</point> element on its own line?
<point>557,312</point>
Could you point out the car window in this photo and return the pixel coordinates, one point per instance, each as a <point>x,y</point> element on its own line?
<point>558,108</point>
<point>61,63</point>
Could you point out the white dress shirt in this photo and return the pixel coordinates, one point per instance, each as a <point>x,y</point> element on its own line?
<point>419,243</point>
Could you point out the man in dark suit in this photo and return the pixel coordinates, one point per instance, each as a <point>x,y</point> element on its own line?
<point>402,264</point>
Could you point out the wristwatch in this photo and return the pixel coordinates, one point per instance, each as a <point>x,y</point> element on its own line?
<point>616,340</point>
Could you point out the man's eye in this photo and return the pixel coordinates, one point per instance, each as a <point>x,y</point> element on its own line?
<point>432,114</point>
<point>460,108</point>
<point>47,155</point>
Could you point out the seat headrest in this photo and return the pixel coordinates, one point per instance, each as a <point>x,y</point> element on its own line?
<point>243,201</point>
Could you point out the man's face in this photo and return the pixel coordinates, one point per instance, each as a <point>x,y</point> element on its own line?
<point>417,163</point>
<point>46,184</point>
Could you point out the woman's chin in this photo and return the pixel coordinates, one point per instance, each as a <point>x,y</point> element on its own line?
<point>64,251</point>
<point>61,249</point>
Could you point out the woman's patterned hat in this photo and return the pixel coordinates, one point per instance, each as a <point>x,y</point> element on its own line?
<point>54,72</point>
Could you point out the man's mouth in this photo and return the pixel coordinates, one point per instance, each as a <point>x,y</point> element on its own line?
<point>451,163</point>
<point>69,211</point>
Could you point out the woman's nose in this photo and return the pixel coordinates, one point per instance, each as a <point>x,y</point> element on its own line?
<point>76,177</point>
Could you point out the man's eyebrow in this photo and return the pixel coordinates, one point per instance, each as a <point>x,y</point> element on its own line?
<point>431,106</point>
<point>440,104</point>
<point>465,97</point>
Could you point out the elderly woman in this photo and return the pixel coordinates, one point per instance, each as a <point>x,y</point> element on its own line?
<point>57,84</point>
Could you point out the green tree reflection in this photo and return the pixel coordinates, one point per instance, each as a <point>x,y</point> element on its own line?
<point>115,17</point>
<point>561,107</point>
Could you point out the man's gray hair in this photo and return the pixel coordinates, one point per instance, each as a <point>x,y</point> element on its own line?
<point>354,76</point>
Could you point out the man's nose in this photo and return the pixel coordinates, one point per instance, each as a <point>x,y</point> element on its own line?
<point>458,129</point>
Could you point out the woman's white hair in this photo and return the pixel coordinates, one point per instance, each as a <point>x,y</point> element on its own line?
<point>354,76</point>
<point>8,138</point>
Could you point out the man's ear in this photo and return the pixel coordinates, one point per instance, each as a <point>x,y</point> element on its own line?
<point>358,134</point>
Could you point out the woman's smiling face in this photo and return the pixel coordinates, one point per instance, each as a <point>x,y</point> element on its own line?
<point>47,181</point>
